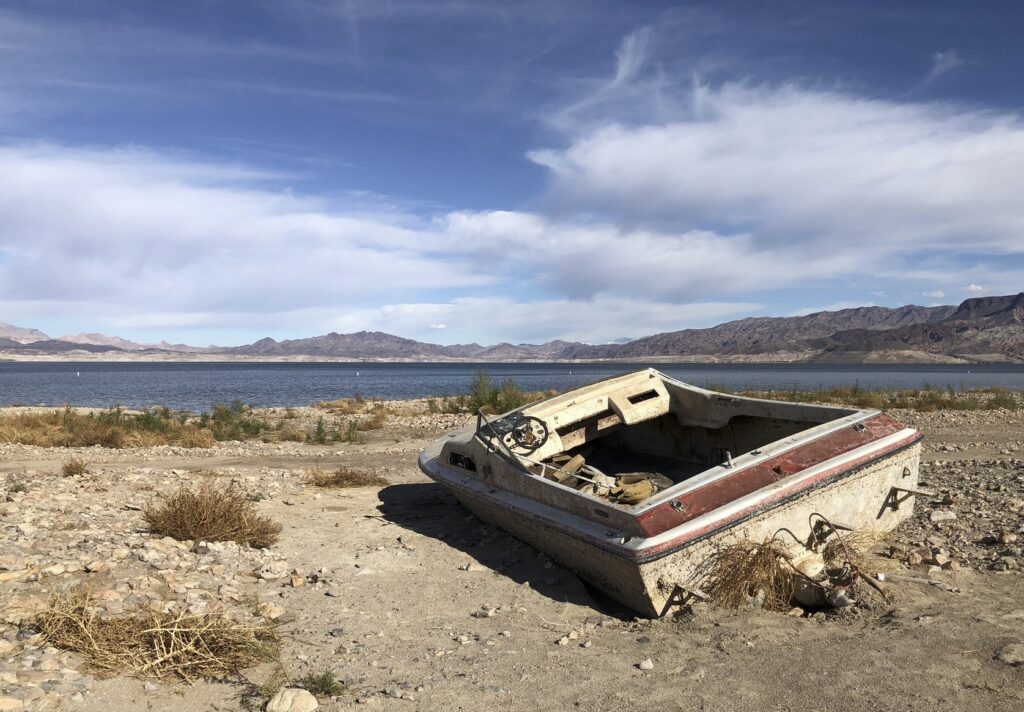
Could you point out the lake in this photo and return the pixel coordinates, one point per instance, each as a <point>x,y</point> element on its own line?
<point>197,386</point>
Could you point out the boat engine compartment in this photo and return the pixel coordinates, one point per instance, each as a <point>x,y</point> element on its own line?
<point>626,440</point>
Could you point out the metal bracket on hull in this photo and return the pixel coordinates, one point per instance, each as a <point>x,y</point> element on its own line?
<point>898,495</point>
<point>681,596</point>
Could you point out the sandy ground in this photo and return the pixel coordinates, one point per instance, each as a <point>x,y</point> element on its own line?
<point>410,568</point>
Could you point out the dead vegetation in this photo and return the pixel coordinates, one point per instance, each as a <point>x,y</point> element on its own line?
<point>75,467</point>
<point>343,477</point>
<point>154,645</point>
<point>211,513</point>
<point>750,574</point>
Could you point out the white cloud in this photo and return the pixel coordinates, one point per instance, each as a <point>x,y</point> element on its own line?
<point>975,288</point>
<point>934,294</point>
<point>787,164</point>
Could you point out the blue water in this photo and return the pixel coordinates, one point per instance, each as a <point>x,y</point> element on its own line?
<point>197,386</point>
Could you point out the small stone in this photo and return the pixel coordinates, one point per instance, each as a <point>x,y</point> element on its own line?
<point>585,644</point>
<point>97,567</point>
<point>1012,654</point>
<point>337,632</point>
<point>270,611</point>
<point>10,704</point>
<point>564,640</point>
<point>292,699</point>
<point>941,515</point>
<point>646,664</point>
<point>1007,537</point>
<point>297,581</point>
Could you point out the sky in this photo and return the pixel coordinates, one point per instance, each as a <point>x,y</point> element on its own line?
<point>464,170</point>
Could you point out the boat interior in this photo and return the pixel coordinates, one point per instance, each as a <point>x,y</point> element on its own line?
<point>629,438</point>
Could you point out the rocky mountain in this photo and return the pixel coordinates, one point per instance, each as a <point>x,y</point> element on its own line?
<point>363,344</point>
<point>103,340</point>
<point>765,335</point>
<point>982,329</point>
<point>21,335</point>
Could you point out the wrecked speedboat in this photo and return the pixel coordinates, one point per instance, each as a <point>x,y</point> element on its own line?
<point>632,482</point>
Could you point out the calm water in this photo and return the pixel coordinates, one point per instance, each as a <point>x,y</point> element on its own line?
<point>196,386</point>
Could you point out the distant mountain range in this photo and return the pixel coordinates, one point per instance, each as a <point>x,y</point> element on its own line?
<point>986,329</point>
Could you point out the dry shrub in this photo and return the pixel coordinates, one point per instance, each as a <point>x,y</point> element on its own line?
<point>739,574</point>
<point>113,428</point>
<point>862,549</point>
<point>75,467</point>
<point>344,477</point>
<point>343,406</point>
<point>154,645</point>
<point>211,513</point>
<point>376,421</point>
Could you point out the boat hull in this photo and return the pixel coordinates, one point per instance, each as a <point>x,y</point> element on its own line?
<point>865,493</point>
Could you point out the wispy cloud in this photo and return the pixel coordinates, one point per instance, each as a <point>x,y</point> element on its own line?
<point>943,63</point>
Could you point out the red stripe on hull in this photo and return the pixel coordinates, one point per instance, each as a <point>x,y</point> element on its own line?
<point>734,486</point>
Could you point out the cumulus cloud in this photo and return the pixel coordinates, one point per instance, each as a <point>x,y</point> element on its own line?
<point>787,163</point>
<point>134,239</point>
<point>934,294</point>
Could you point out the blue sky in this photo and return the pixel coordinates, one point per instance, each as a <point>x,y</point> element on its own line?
<point>454,171</point>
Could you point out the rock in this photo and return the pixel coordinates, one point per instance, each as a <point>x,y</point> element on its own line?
<point>97,567</point>
<point>941,515</point>
<point>646,664</point>
<point>270,611</point>
<point>10,704</point>
<point>1012,654</point>
<point>1007,537</point>
<point>292,699</point>
<point>273,570</point>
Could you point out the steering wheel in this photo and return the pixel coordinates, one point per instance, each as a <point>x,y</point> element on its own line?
<point>529,433</point>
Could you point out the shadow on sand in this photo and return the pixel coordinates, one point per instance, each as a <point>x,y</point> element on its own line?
<point>428,509</point>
